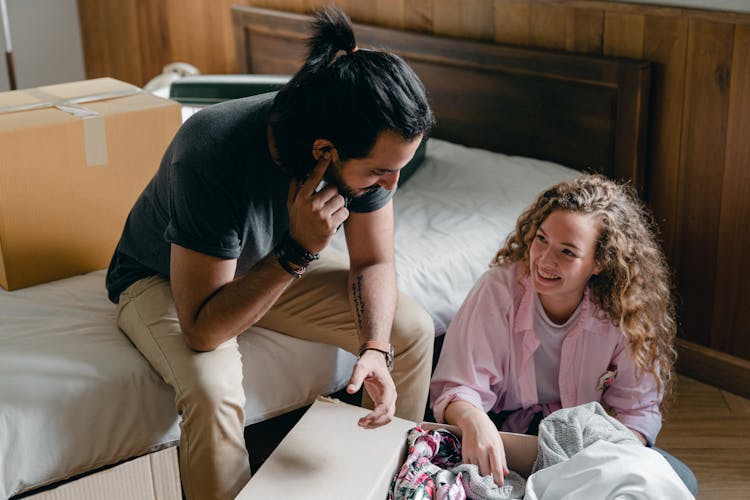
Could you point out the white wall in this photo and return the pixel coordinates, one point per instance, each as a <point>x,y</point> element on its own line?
<point>46,43</point>
<point>730,5</point>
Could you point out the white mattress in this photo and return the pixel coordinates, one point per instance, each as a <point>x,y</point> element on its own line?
<point>453,215</point>
<point>76,395</point>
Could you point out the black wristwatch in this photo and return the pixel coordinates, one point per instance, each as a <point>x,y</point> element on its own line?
<point>384,347</point>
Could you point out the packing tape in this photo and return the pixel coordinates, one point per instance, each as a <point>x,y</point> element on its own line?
<point>94,127</point>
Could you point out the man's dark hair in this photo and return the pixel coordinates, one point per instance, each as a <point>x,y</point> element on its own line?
<point>347,96</point>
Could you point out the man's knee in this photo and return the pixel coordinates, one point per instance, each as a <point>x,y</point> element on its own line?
<point>412,325</point>
<point>211,388</point>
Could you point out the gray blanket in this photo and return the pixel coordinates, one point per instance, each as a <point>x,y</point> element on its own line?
<point>566,432</point>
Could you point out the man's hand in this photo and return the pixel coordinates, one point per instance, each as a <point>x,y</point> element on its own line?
<point>315,217</point>
<point>371,370</point>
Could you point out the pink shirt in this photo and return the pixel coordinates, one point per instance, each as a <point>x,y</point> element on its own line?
<point>488,359</point>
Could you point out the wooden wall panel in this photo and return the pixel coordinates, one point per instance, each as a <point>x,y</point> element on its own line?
<point>548,27</point>
<point>151,16</point>
<point>390,13</point>
<point>697,184</point>
<point>198,35</point>
<point>96,52</point>
<point>112,48</point>
<point>624,34</point>
<point>512,23</point>
<point>457,17</point>
<point>731,327</point>
<point>447,17</point>
<point>359,11</point>
<point>134,39</point>
<point>585,31</point>
<point>478,16</point>
<point>663,41</point>
<point>703,141</point>
<point>665,44</point>
<point>419,16</point>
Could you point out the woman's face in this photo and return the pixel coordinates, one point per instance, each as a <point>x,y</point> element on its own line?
<point>562,257</point>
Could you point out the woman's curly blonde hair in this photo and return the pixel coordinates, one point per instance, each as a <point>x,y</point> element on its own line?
<point>633,287</point>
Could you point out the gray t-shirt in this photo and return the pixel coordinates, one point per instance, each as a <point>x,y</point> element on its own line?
<point>217,191</point>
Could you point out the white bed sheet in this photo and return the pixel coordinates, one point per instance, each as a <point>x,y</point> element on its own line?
<point>76,395</point>
<point>454,214</point>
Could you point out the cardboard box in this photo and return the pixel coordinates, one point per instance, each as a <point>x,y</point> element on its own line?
<point>151,477</point>
<point>328,456</point>
<point>73,159</point>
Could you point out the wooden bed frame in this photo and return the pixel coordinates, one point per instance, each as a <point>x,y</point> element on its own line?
<point>585,112</point>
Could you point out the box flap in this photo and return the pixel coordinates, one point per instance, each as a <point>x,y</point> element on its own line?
<point>328,456</point>
<point>104,96</point>
<point>64,91</point>
<point>86,87</point>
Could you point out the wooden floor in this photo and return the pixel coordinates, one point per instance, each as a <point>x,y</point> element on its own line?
<point>709,430</point>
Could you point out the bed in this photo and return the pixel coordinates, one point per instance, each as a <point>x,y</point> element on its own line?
<point>550,114</point>
<point>75,395</point>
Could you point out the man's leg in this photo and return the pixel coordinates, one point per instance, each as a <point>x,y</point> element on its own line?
<point>208,387</point>
<point>316,307</point>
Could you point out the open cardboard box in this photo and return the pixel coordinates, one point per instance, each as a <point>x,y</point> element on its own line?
<point>328,456</point>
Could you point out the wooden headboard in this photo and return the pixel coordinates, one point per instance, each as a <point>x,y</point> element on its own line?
<point>586,112</point>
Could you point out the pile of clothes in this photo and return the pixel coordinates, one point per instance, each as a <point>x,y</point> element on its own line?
<point>582,453</point>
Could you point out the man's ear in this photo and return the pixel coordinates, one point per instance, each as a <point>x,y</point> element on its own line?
<point>320,147</point>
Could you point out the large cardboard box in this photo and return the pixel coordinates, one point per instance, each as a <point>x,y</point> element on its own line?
<point>327,456</point>
<point>73,159</point>
<point>151,477</point>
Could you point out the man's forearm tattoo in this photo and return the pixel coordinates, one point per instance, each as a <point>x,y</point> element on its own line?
<point>359,301</point>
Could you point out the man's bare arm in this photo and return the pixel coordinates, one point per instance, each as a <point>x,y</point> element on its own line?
<point>214,306</point>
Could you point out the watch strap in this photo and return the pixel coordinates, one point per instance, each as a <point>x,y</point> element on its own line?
<point>384,347</point>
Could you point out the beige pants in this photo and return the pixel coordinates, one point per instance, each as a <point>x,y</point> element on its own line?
<point>208,385</point>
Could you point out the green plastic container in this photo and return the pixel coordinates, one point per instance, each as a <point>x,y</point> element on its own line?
<point>204,90</point>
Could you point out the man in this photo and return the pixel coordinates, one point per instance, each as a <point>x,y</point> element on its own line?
<point>248,195</point>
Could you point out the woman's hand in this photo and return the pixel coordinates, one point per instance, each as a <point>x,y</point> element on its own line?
<point>481,443</point>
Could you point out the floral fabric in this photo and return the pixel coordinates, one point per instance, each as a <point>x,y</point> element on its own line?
<point>424,474</point>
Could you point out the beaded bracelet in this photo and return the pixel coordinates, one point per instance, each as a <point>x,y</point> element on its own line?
<point>288,251</point>
<point>296,273</point>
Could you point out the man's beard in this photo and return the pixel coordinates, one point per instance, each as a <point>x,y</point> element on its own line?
<point>333,177</point>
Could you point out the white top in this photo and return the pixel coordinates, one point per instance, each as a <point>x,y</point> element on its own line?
<point>547,356</point>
